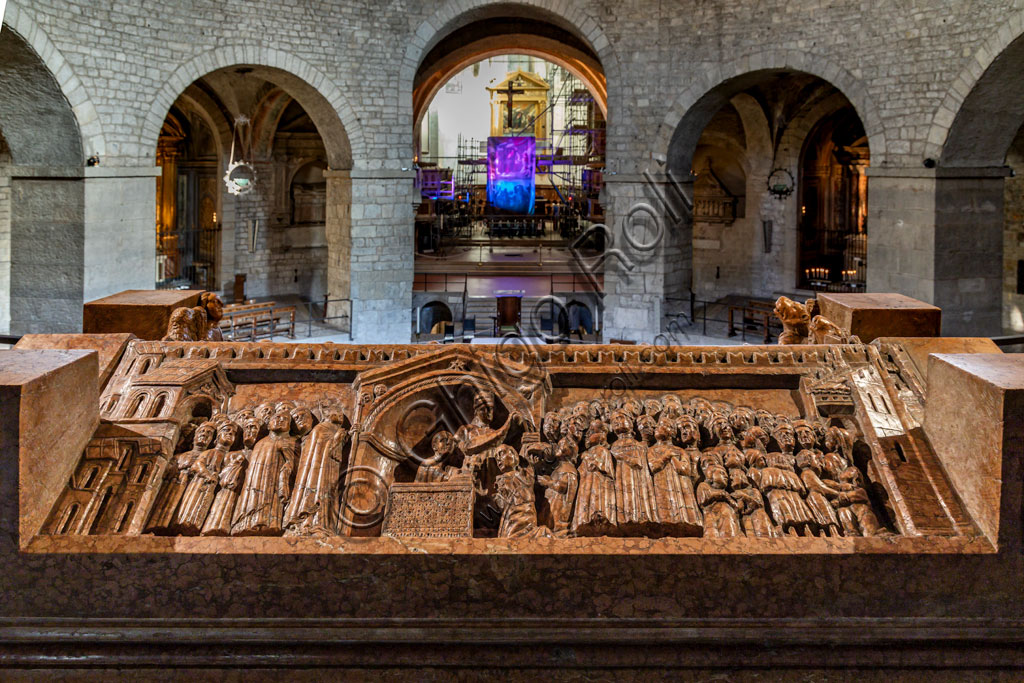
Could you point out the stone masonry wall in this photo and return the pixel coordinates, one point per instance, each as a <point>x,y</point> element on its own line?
<point>904,66</point>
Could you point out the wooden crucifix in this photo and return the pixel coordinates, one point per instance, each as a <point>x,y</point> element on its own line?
<point>509,91</point>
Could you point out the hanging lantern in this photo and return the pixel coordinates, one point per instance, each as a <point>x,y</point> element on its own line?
<point>781,183</point>
<point>241,175</point>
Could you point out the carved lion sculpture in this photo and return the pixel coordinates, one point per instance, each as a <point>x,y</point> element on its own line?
<point>795,321</point>
<point>198,323</point>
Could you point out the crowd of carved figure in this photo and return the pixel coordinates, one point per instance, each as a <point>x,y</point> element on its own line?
<point>261,472</point>
<point>657,467</point>
<point>662,467</point>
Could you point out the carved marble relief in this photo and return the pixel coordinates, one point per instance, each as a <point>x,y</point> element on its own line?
<point>413,442</point>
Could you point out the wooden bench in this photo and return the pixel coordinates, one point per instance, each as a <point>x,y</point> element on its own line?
<point>753,312</point>
<point>249,322</point>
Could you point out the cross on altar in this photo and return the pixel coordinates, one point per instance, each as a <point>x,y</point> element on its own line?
<point>509,91</point>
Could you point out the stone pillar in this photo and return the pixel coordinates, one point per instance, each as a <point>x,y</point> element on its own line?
<point>370,250</point>
<point>120,230</point>
<point>46,249</point>
<point>936,235</point>
<point>648,226</point>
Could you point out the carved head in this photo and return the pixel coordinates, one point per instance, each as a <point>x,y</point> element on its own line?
<point>653,407</point>
<point>567,451</point>
<point>214,307</point>
<point>443,443</point>
<point>263,412</point>
<point>720,428</point>
<point>791,313</point>
<point>622,423</point>
<point>805,437</point>
<point>597,433</point>
<point>837,440</point>
<point>716,475</point>
<point>483,406</point>
<point>251,429</point>
<point>227,434</point>
<point>741,419</point>
<point>756,458</point>
<point>785,436</point>
<point>765,420</point>
<point>807,459</point>
<point>665,430</point>
<point>689,432</point>
<point>281,421</point>
<point>597,409</point>
<point>633,407</point>
<point>506,458</point>
<point>242,415</point>
<point>303,419</point>
<point>204,435</point>
<point>646,425</point>
<point>755,437</point>
<point>552,428</point>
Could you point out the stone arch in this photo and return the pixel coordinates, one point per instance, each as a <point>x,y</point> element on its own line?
<point>454,15</point>
<point>334,118</point>
<point>982,110</point>
<point>692,110</point>
<point>88,121</point>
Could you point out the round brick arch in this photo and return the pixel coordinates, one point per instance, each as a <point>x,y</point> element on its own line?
<point>334,118</point>
<point>982,110</point>
<point>455,14</point>
<point>89,125</point>
<point>693,108</point>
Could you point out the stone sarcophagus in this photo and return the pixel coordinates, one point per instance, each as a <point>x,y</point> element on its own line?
<point>227,447</point>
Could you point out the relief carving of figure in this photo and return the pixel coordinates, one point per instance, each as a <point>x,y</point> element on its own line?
<point>855,513</point>
<point>595,501</point>
<point>514,495</point>
<point>673,474</point>
<point>561,487</point>
<point>634,489</point>
<point>720,518</point>
<point>232,475</point>
<point>436,467</point>
<point>260,508</point>
<point>199,495</point>
<point>820,492</point>
<point>176,479</point>
<point>314,505</point>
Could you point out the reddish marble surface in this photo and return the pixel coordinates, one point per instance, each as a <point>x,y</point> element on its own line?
<point>974,414</point>
<point>108,346</point>
<point>870,316</point>
<point>919,348</point>
<point>141,312</point>
<point>49,408</point>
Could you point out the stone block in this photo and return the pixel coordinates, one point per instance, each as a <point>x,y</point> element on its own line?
<point>919,348</point>
<point>870,316</point>
<point>141,312</point>
<point>974,419</point>
<point>49,408</point>
<point>108,346</point>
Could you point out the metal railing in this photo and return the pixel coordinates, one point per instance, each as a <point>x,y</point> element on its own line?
<point>317,311</point>
<point>754,316</point>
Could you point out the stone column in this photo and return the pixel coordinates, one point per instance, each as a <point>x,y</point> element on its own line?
<point>936,235</point>
<point>120,230</point>
<point>46,249</point>
<point>648,227</point>
<point>370,250</point>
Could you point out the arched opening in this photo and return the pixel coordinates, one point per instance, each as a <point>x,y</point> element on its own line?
<point>101,509</point>
<point>158,405</point>
<point>90,478</point>
<point>777,159</point>
<point>136,406</point>
<point>125,516</point>
<point>279,232</point>
<point>45,259</point>
<point>433,317</point>
<point>833,192</point>
<point>510,117</point>
<point>979,218</point>
<point>67,520</point>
